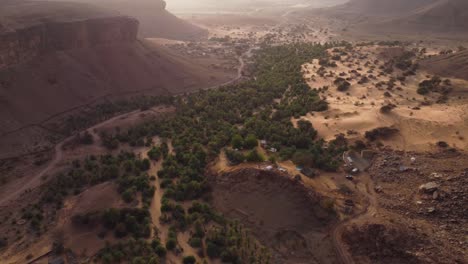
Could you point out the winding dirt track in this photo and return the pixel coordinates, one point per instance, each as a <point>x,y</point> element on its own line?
<point>369,210</point>
<point>22,186</point>
<point>35,181</point>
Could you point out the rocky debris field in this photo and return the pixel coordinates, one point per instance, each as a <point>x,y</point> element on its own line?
<point>427,193</point>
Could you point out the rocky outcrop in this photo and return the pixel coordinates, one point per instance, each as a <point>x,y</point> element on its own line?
<point>155,20</point>
<point>22,44</point>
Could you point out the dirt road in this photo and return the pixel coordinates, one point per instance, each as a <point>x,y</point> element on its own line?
<point>366,188</point>
<point>33,182</point>
<point>29,183</point>
<point>240,69</point>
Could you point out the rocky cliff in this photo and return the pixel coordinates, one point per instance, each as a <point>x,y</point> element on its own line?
<point>21,44</point>
<point>155,20</point>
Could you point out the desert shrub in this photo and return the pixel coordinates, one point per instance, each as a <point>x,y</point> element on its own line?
<point>423,91</point>
<point>234,157</point>
<point>212,250</point>
<point>171,243</point>
<point>442,144</point>
<point>359,145</point>
<point>328,204</point>
<point>129,195</point>
<point>3,243</point>
<point>387,108</point>
<point>427,86</point>
<point>381,132</point>
<point>341,84</point>
<point>160,251</point>
<point>195,242</point>
<point>336,57</point>
<point>110,142</point>
<point>86,138</point>
<point>404,61</point>
<point>189,260</point>
<point>155,153</point>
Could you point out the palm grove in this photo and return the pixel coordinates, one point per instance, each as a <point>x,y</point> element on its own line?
<point>232,118</point>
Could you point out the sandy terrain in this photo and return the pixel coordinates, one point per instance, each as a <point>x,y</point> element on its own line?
<point>358,110</point>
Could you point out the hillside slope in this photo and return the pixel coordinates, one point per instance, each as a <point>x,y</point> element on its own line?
<point>441,16</point>
<point>381,7</point>
<point>62,80</point>
<point>445,18</point>
<point>49,66</point>
<point>452,65</point>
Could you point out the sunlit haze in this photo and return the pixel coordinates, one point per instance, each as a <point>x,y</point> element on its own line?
<point>233,131</point>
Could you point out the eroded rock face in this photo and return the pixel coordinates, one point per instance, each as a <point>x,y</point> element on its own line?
<point>22,44</point>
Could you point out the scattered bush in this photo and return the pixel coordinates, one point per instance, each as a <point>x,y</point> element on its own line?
<point>189,260</point>
<point>342,84</point>
<point>381,132</point>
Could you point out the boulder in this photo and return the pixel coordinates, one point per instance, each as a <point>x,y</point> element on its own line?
<point>429,187</point>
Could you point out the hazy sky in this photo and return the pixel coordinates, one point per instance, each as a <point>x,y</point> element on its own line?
<point>230,5</point>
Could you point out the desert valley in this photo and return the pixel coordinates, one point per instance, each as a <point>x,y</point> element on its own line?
<point>262,131</point>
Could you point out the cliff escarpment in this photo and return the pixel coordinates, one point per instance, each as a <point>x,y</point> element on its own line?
<point>56,58</point>
<point>155,20</point>
<point>22,44</point>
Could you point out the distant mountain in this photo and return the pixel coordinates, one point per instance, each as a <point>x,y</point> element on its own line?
<point>442,16</point>
<point>435,17</point>
<point>382,7</point>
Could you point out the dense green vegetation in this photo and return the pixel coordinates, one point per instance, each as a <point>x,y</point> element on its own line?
<point>100,112</point>
<point>233,117</point>
<point>435,84</point>
<point>127,221</point>
<point>131,251</point>
<point>238,116</point>
<point>127,169</point>
<point>232,244</point>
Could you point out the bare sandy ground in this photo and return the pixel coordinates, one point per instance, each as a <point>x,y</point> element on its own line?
<point>358,110</point>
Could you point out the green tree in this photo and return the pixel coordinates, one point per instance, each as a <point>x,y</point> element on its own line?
<point>235,157</point>
<point>155,153</point>
<point>189,260</point>
<point>212,250</point>
<point>237,141</point>
<point>160,250</point>
<point>254,156</point>
<point>171,243</point>
<point>250,141</point>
